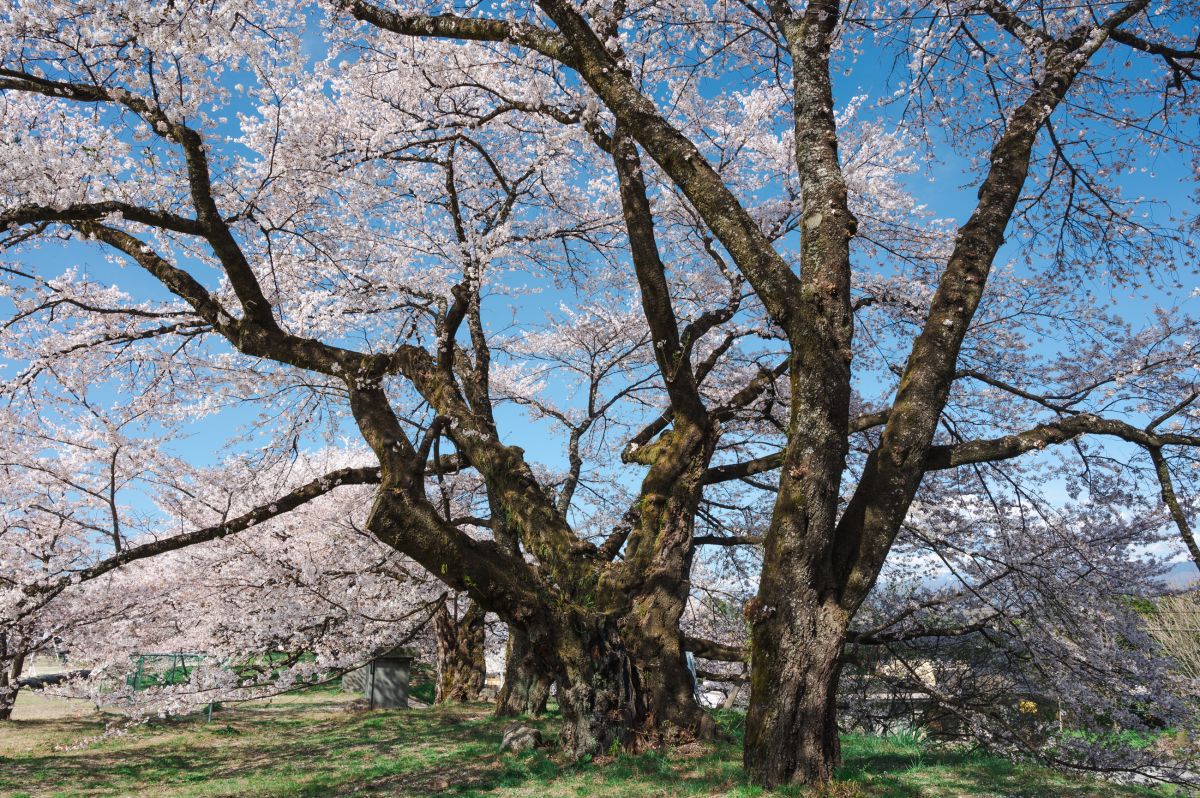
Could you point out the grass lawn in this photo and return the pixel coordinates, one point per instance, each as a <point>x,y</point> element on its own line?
<point>317,744</point>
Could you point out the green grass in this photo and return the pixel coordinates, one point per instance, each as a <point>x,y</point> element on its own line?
<point>318,744</point>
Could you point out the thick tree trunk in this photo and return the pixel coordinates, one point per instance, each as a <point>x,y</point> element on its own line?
<point>791,729</point>
<point>600,696</point>
<point>620,688</point>
<point>799,619</point>
<point>608,631</point>
<point>527,682</point>
<point>668,690</point>
<point>461,668</point>
<point>599,687</point>
<point>658,557</point>
<point>652,627</point>
<point>612,697</point>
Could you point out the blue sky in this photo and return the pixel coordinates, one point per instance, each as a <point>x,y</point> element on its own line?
<point>942,186</point>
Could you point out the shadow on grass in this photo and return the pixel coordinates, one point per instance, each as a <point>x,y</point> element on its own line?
<point>319,748</point>
<point>314,748</point>
<point>901,768</point>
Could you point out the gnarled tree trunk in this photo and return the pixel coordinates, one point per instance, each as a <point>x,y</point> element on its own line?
<point>621,684</point>
<point>622,676</point>
<point>527,681</point>
<point>461,668</point>
<point>652,625</point>
<point>620,687</point>
<point>652,586</point>
<point>666,682</point>
<point>607,629</point>
<point>600,694</point>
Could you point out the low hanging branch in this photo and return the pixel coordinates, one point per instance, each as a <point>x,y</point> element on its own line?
<point>41,594</point>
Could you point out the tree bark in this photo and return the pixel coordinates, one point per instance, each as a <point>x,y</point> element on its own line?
<point>612,693</point>
<point>527,677</point>
<point>652,625</point>
<point>527,683</point>
<point>461,668</point>
<point>600,695</point>
<point>792,735</point>
<point>817,568</point>
<point>652,586</point>
<point>798,623</point>
<point>617,689</point>
<point>10,683</point>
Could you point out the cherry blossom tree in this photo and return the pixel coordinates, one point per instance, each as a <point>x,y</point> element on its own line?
<point>360,249</point>
<point>309,596</point>
<point>91,573</point>
<point>821,560</point>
